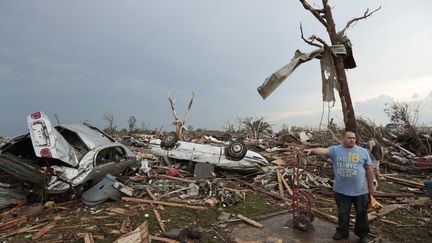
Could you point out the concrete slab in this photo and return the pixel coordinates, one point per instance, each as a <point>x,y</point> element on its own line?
<point>276,230</point>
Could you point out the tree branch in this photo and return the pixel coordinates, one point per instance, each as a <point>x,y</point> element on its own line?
<point>317,15</point>
<point>307,41</point>
<point>312,38</point>
<point>354,20</point>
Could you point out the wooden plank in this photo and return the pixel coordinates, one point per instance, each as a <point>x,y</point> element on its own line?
<point>250,221</point>
<point>159,219</point>
<point>162,239</point>
<point>125,225</point>
<point>152,196</point>
<point>286,185</point>
<point>13,222</point>
<point>405,182</point>
<point>139,200</point>
<point>393,195</point>
<point>176,178</point>
<point>45,230</point>
<point>88,238</point>
<point>388,209</point>
<point>280,186</point>
<point>123,211</point>
<point>262,190</point>
<point>140,234</point>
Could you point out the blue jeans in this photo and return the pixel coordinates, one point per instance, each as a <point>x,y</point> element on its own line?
<point>361,202</point>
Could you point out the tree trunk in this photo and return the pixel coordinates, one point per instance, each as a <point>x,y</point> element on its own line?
<point>344,94</point>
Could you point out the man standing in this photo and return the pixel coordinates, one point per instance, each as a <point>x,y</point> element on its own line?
<point>353,182</point>
<point>377,151</point>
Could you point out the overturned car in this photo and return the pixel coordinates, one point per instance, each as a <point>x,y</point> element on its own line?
<point>234,157</point>
<point>61,160</point>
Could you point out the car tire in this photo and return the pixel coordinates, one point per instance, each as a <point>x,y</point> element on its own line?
<point>170,140</point>
<point>236,150</point>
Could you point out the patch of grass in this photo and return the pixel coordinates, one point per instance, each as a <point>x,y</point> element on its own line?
<point>416,233</point>
<point>386,186</point>
<point>255,205</point>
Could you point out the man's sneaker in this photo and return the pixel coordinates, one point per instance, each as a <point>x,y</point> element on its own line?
<point>340,236</point>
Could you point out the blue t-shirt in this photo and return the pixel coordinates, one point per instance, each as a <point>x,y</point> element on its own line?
<point>349,171</point>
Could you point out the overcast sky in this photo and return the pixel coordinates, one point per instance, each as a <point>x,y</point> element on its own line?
<point>81,59</point>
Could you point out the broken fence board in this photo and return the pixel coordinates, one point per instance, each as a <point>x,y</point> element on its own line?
<point>139,200</point>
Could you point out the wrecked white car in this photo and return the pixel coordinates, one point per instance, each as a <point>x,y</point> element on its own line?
<point>64,159</point>
<point>235,157</point>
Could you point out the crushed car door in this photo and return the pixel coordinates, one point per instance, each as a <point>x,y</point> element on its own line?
<point>47,141</point>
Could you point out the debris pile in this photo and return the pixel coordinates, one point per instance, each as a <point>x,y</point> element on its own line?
<point>193,190</point>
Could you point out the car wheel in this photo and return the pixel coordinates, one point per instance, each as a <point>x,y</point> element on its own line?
<point>170,140</point>
<point>236,150</point>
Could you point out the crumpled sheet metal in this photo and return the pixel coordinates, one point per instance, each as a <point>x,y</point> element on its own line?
<point>276,78</point>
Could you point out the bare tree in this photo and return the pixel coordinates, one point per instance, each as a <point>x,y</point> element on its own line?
<point>180,125</point>
<point>229,126</point>
<point>325,16</point>
<point>403,114</point>
<point>109,119</point>
<point>257,126</point>
<point>131,123</point>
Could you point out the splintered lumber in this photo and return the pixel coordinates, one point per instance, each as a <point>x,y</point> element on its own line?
<point>405,182</point>
<point>398,146</point>
<point>45,230</point>
<point>88,238</point>
<point>262,190</point>
<point>176,178</point>
<point>393,195</point>
<point>139,200</point>
<point>152,196</point>
<point>162,239</point>
<point>124,226</point>
<point>388,209</point>
<point>329,217</point>
<point>389,222</point>
<point>13,222</point>
<point>123,211</point>
<point>159,219</point>
<point>286,185</point>
<point>140,234</point>
<point>250,221</point>
<point>279,179</point>
<point>22,230</point>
